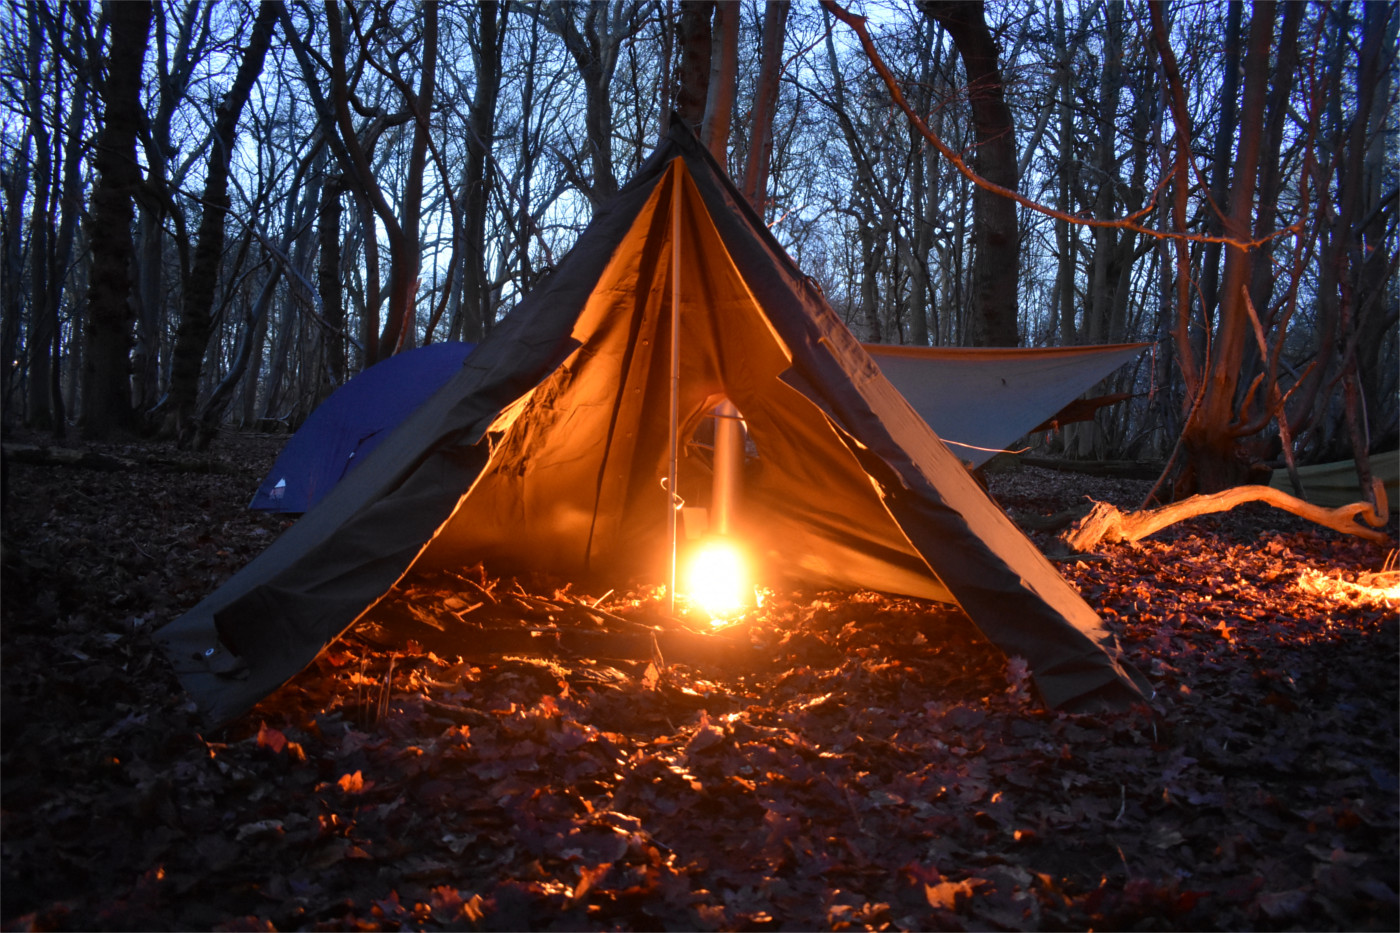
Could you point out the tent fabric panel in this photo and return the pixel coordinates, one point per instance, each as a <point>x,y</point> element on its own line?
<point>835,531</point>
<point>979,401</point>
<point>538,501</point>
<point>1335,484</point>
<point>278,626</point>
<point>524,348</point>
<point>343,429</point>
<point>1005,585</point>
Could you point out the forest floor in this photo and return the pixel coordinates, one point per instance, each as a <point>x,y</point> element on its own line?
<point>869,762</point>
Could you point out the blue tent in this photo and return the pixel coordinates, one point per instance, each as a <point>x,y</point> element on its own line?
<point>352,422</point>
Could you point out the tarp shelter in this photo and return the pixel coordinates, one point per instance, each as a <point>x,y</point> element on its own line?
<point>343,429</point>
<point>981,400</point>
<point>547,449</point>
<point>1335,484</point>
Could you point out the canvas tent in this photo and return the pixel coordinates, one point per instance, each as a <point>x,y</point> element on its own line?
<point>341,432</point>
<point>977,401</point>
<point>547,448</point>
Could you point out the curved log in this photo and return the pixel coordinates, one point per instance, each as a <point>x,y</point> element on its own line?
<point>1105,523</point>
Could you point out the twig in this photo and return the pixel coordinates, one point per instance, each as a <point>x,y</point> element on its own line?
<point>485,593</point>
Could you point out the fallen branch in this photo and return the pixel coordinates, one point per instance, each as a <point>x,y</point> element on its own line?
<point>98,460</point>
<point>1105,523</point>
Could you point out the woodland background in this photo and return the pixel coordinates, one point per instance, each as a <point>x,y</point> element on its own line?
<point>215,213</point>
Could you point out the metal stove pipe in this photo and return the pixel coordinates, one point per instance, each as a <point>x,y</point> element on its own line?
<point>729,467</point>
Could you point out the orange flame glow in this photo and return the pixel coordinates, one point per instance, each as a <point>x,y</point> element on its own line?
<point>718,578</point>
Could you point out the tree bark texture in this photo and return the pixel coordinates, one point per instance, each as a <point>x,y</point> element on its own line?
<point>44,317</point>
<point>106,406</point>
<point>693,75</point>
<point>192,337</point>
<point>760,154</point>
<point>328,281</point>
<point>1211,436</point>
<point>476,292</point>
<point>405,248</point>
<point>996,239</point>
<point>724,76</point>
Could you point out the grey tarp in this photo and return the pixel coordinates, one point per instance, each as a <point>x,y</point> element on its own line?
<point>979,400</point>
<point>547,451</point>
<point>1336,484</point>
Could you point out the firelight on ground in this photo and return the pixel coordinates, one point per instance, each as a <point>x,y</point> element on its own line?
<point>717,578</point>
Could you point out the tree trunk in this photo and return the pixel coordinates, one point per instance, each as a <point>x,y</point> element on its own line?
<point>106,406</point>
<point>760,153</point>
<point>42,323</point>
<point>693,75</point>
<point>872,255</point>
<point>481,132</point>
<point>1210,437</point>
<point>247,417</point>
<point>328,281</point>
<point>14,182</point>
<point>1365,245</point>
<point>1065,269</point>
<point>1271,174</point>
<point>249,338</point>
<point>176,61</point>
<point>1101,275</point>
<point>594,51</point>
<point>192,337</point>
<point>145,358</point>
<point>1224,141</point>
<point>405,246</point>
<point>996,239</point>
<point>724,75</point>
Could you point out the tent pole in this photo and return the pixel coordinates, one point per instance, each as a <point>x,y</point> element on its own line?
<point>675,372</point>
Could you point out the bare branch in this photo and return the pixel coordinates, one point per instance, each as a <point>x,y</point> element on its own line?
<point>1130,222</point>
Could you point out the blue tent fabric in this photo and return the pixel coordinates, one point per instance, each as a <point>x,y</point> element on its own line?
<point>347,426</point>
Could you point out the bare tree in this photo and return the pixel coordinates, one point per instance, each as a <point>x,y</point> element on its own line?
<point>193,333</point>
<point>168,165</point>
<point>106,406</point>
<point>724,72</point>
<point>693,72</point>
<point>593,34</point>
<point>997,243</point>
<point>354,148</point>
<point>755,182</point>
<point>481,135</point>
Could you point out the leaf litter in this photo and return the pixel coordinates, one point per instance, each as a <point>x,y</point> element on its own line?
<point>847,761</point>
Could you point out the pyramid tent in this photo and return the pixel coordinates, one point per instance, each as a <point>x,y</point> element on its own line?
<point>546,451</point>
<point>341,432</point>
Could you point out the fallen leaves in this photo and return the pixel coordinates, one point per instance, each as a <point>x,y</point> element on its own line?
<point>854,761</point>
